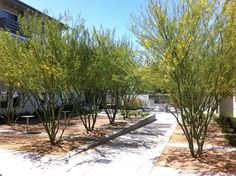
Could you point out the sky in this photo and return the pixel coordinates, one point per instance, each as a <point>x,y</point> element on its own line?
<point>110,13</point>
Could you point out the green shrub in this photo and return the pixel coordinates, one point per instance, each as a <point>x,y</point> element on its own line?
<point>221,122</point>
<point>136,104</point>
<point>226,129</point>
<point>143,114</point>
<point>233,122</point>
<point>138,113</point>
<point>133,113</point>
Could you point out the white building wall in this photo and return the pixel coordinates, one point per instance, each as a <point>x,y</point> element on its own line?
<point>234,106</point>
<point>145,100</point>
<point>226,107</point>
<point>28,108</point>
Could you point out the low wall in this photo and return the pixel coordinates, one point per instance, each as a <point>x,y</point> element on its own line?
<point>149,119</point>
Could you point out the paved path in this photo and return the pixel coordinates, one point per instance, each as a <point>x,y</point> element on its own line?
<point>132,154</point>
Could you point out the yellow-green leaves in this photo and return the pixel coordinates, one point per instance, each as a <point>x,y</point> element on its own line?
<point>192,46</point>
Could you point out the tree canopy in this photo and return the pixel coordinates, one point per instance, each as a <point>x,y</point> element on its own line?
<point>191,44</point>
<point>57,64</point>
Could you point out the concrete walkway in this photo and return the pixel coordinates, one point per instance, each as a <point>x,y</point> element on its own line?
<point>132,154</point>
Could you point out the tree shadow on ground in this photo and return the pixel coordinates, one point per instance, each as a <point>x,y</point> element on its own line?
<point>39,149</point>
<point>135,142</point>
<point>212,161</point>
<point>36,149</point>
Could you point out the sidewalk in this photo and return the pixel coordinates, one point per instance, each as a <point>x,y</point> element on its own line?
<point>131,154</point>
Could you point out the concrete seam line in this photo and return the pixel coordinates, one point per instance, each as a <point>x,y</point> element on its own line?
<point>149,119</point>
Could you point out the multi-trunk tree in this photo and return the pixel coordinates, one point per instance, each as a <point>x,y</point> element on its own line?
<point>100,68</point>
<point>85,78</point>
<point>53,63</point>
<point>46,49</point>
<point>118,65</point>
<point>12,96</point>
<point>35,65</point>
<point>192,46</point>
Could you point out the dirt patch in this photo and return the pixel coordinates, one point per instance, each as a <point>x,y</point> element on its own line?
<point>213,160</point>
<point>212,128</point>
<point>213,139</point>
<point>75,135</point>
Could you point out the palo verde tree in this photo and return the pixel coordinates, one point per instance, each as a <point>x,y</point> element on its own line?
<point>45,47</point>
<point>85,77</point>
<point>12,96</point>
<point>116,67</point>
<point>131,85</point>
<point>192,46</point>
<point>107,52</point>
<point>12,101</point>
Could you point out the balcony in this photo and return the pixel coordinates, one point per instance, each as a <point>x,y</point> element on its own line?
<point>10,25</point>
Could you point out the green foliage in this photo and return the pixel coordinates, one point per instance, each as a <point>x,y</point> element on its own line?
<point>46,51</point>
<point>138,113</point>
<point>39,64</point>
<point>55,65</point>
<point>84,77</point>
<point>233,122</point>
<point>193,55</point>
<point>143,114</point>
<point>133,113</point>
<point>135,104</point>
<point>10,68</point>
<point>225,129</point>
<point>131,103</point>
<point>117,69</point>
<point>12,102</point>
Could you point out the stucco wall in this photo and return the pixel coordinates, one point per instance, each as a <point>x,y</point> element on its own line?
<point>0,4</point>
<point>234,106</point>
<point>10,9</point>
<point>226,107</point>
<point>6,5</point>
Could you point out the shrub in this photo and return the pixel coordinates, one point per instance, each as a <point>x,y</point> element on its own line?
<point>143,114</point>
<point>138,113</point>
<point>136,104</point>
<point>226,129</point>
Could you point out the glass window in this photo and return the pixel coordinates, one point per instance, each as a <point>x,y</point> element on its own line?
<point>4,14</point>
<point>8,15</point>
<point>13,17</point>
<point>3,99</point>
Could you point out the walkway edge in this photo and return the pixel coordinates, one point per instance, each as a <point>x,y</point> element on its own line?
<point>154,170</point>
<point>147,120</point>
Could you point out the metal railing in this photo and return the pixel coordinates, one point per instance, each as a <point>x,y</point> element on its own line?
<point>8,24</point>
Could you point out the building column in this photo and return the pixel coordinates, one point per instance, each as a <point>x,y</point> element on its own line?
<point>234,106</point>
<point>227,107</point>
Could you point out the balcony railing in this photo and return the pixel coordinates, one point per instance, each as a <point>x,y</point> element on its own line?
<point>8,24</point>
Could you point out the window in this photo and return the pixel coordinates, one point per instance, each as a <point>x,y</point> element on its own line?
<point>3,99</point>
<point>6,97</point>
<point>9,21</point>
<point>4,14</point>
<point>8,15</point>
<point>16,99</point>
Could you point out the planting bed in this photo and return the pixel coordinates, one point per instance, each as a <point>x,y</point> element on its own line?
<point>218,157</point>
<point>75,135</point>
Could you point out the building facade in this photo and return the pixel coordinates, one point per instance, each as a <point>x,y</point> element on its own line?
<point>10,10</point>
<point>228,107</point>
